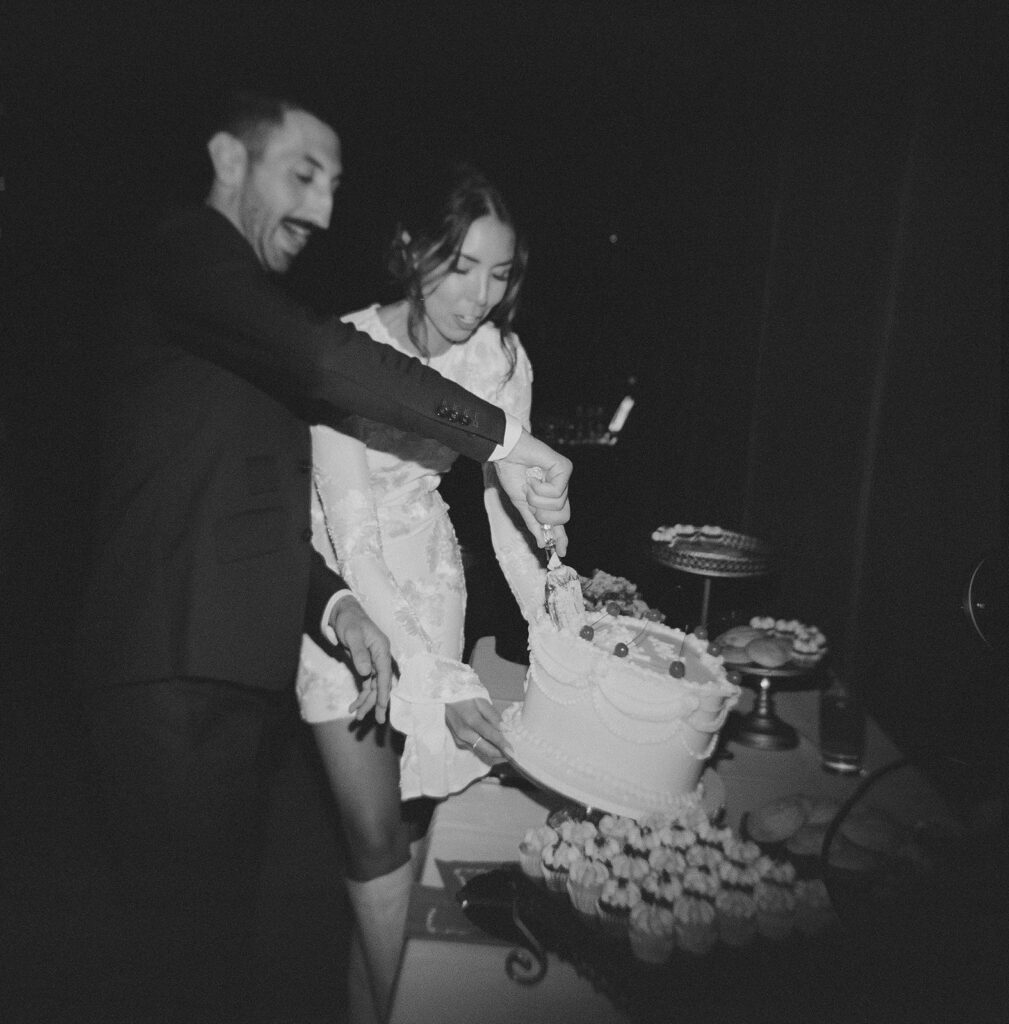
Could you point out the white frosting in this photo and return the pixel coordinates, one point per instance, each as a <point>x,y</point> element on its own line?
<point>619,733</point>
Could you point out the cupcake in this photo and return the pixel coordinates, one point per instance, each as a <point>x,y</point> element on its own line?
<point>664,861</point>
<point>781,872</point>
<point>577,833</point>
<point>735,876</point>
<point>721,837</point>
<point>809,646</point>
<point>634,841</point>
<point>662,889</point>
<point>531,850</point>
<point>619,895</point>
<point>696,856</point>
<point>586,835</point>
<point>693,816</point>
<point>634,869</point>
<point>736,917</point>
<point>775,910</point>
<point>651,929</point>
<point>698,882</point>
<point>656,821</point>
<point>585,884</point>
<point>682,838</point>
<point>714,857</point>
<point>694,921</point>
<point>813,910</point>
<point>603,848</point>
<point>707,834</point>
<point>557,862</point>
<point>615,825</point>
<point>658,838</point>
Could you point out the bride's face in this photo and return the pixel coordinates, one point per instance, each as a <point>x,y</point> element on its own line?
<point>459,297</point>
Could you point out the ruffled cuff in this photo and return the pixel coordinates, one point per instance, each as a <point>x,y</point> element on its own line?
<point>432,765</point>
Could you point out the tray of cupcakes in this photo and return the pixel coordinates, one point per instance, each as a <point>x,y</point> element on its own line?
<point>658,912</point>
<point>667,911</point>
<point>666,883</point>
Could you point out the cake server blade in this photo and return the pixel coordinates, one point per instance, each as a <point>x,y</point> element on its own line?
<point>564,601</point>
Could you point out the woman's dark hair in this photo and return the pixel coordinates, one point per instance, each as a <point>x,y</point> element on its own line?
<point>429,236</point>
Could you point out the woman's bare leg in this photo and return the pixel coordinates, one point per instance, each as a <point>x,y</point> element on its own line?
<point>363,768</point>
<point>362,764</point>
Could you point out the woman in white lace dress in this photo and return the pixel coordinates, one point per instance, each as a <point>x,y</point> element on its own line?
<point>379,518</point>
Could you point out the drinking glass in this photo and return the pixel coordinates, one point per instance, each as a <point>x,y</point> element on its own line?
<point>842,726</point>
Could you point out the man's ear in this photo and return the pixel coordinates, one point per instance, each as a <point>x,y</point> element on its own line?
<point>229,158</point>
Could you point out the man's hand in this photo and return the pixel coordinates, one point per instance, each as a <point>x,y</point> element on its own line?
<point>475,723</point>
<point>542,502</point>
<point>369,650</point>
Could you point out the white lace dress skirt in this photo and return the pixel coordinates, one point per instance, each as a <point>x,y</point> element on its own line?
<point>424,559</point>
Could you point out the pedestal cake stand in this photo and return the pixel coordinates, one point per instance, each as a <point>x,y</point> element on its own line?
<point>723,554</point>
<point>762,728</point>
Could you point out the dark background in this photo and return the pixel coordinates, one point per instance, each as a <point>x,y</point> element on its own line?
<point>783,220</point>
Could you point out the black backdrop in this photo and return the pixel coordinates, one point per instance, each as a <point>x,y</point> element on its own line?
<point>783,220</point>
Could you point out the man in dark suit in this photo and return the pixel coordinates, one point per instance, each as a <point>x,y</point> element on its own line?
<point>204,572</point>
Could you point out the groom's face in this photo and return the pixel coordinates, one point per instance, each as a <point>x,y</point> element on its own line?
<point>287,191</point>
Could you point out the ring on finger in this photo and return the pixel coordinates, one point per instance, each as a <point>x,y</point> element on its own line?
<point>475,743</point>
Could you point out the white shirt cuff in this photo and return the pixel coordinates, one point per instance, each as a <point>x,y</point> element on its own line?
<point>327,630</point>
<point>513,431</point>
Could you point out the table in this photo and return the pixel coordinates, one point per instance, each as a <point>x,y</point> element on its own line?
<point>451,978</point>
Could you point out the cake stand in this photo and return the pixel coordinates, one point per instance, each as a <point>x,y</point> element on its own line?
<point>762,728</point>
<point>728,555</point>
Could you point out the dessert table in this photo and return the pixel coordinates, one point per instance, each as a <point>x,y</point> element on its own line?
<point>451,972</point>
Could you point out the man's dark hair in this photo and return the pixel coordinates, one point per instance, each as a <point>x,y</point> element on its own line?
<point>251,116</point>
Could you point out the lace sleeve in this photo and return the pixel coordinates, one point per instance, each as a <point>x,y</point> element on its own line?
<point>431,764</point>
<point>343,493</point>
<point>516,551</point>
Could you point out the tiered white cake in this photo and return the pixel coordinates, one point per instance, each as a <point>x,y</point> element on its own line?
<point>606,723</point>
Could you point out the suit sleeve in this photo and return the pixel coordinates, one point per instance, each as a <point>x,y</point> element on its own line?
<point>221,305</point>
<point>521,564</point>
<point>323,584</point>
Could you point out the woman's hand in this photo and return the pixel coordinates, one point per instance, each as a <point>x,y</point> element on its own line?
<point>475,723</point>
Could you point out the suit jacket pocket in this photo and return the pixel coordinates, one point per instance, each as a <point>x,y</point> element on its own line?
<point>260,531</point>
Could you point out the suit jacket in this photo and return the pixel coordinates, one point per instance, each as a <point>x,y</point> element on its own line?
<point>203,563</point>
